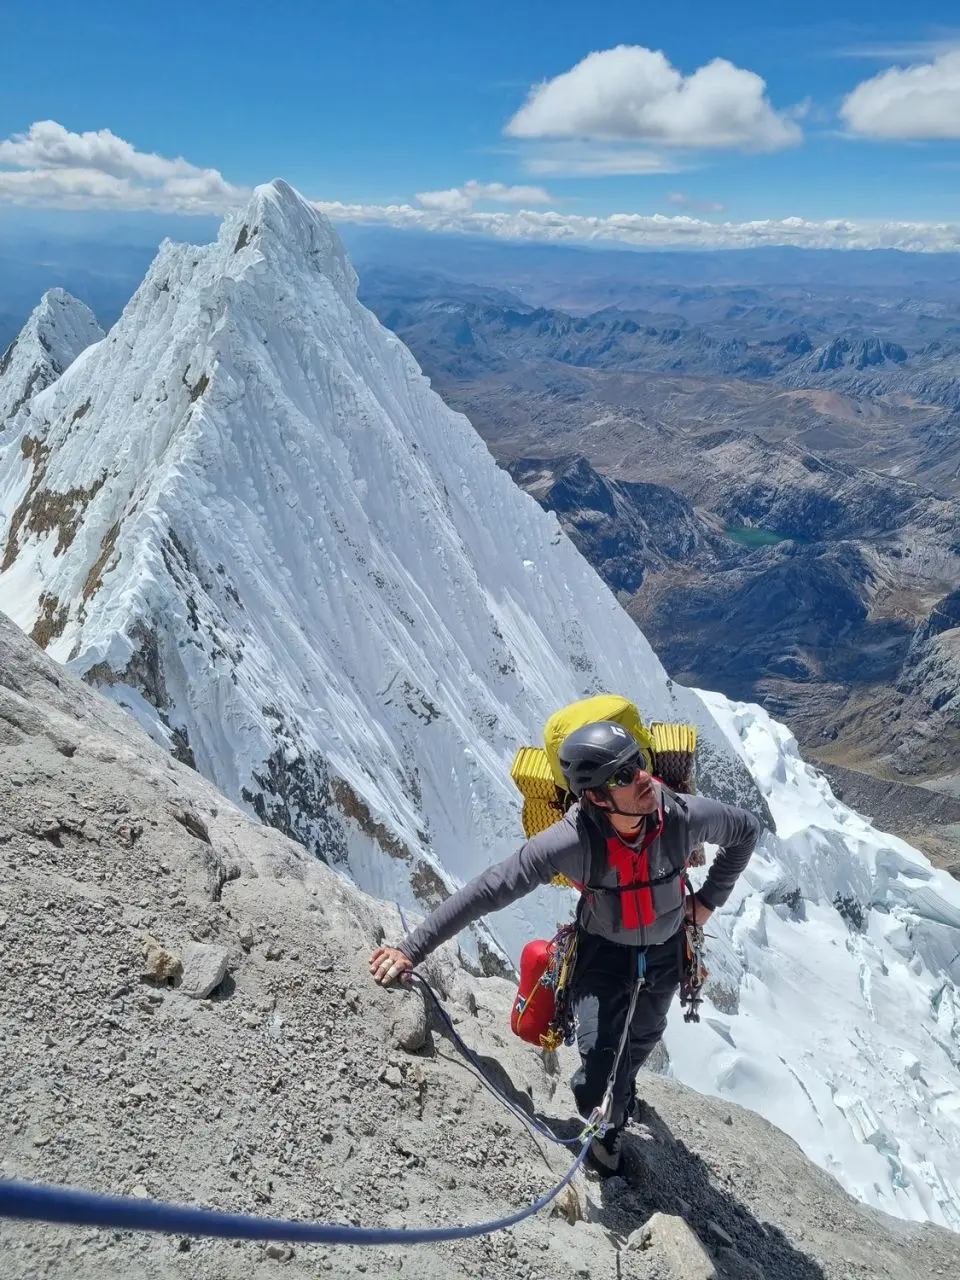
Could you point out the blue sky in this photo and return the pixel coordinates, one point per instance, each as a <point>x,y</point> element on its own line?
<point>370,103</point>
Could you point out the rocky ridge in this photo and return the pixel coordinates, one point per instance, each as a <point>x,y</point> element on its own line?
<point>295,1087</point>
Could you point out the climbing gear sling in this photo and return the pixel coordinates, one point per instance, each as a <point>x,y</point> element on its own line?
<point>694,972</point>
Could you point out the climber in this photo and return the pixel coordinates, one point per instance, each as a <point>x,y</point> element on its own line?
<point>625,842</point>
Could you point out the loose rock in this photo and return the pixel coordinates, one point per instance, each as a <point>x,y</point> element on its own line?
<point>204,968</point>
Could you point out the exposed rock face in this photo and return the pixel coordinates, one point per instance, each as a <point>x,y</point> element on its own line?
<point>55,334</point>
<point>624,529</point>
<point>931,673</point>
<point>286,1094</point>
<point>857,354</point>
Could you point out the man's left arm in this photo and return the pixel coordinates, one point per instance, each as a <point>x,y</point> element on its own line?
<point>735,830</point>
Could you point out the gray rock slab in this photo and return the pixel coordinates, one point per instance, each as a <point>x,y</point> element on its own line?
<point>672,1249</point>
<point>204,968</point>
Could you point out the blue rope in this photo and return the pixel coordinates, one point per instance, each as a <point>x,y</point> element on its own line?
<point>508,1102</point>
<point>474,1061</point>
<point>37,1203</point>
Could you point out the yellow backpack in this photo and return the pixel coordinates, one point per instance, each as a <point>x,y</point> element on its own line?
<point>668,750</point>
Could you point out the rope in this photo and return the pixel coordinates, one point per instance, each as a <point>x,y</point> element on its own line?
<point>42,1203</point>
<point>474,1061</point>
<point>541,1129</point>
<point>37,1203</point>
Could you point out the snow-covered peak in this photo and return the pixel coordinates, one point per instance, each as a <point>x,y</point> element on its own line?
<point>282,226</point>
<point>246,517</point>
<point>58,329</point>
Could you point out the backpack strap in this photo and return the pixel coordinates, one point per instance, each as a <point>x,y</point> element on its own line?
<point>590,833</point>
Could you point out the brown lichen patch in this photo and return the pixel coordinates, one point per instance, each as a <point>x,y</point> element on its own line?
<point>44,510</point>
<point>198,388</point>
<point>351,806</point>
<point>33,448</point>
<point>427,885</point>
<point>51,620</point>
<point>94,579</point>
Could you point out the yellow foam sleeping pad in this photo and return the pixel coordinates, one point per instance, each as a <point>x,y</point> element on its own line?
<point>674,752</point>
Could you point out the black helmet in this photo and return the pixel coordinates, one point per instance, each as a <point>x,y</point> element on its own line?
<point>592,754</point>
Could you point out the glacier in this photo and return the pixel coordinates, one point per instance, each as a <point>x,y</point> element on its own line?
<point>245,516</point>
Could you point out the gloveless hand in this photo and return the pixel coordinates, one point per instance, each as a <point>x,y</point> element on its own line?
<point>387,964</point>
<point>695,911</point>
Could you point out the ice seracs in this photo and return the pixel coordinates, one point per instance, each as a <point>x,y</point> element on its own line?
<point>58,329</point>
<point>246,517</point>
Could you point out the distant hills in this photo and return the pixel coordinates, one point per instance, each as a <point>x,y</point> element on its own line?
<point>801,441</point>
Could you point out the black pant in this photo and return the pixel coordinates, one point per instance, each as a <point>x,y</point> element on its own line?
<point>603,982</point>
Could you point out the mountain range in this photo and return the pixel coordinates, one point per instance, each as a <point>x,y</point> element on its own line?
<point>245,517</point>
<point>819,468</point>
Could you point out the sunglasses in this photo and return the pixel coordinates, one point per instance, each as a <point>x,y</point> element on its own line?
<point>625,774</point>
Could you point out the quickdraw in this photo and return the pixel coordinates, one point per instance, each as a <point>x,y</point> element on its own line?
<point>541,1011</point>
<point>695,972</point>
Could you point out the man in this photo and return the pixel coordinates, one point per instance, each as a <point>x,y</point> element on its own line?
<point>626,840</point>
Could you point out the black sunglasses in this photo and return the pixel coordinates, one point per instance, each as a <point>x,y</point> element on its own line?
<point>625,774</point>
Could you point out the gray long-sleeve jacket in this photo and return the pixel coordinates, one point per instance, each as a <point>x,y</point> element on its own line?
<point>579,847</point>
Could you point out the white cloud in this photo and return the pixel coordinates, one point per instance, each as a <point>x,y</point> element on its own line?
<point>50,165</point>
<point>653,231</point>
<point>902,51</point>
<point>461,199</point>
<point>579,159</point>
<point>634,94</point>
<point>908,102</point>
<point>682,201</point>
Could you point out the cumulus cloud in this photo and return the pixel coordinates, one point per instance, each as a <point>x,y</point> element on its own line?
<point>461,199</point>
<point>652,231</point>
<point>922,101</point>
<point>51,165</point>
<point>632,93</point>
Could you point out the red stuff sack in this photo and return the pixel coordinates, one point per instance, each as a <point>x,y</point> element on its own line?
<point>535,1007</point>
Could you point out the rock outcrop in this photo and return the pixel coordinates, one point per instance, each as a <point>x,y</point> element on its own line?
<point>285,1091</point>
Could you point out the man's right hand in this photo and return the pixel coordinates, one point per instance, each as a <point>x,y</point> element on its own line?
<point>387,964</point>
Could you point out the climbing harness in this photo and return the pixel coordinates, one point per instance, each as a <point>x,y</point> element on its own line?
<point>694,972</point>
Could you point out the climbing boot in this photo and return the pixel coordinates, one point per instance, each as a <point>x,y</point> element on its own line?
<point>604,1154</point>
